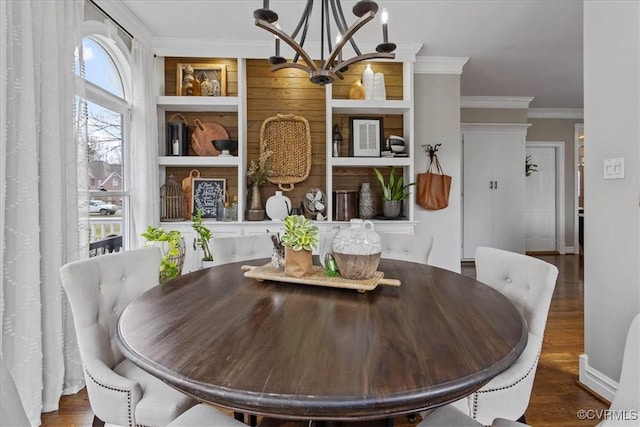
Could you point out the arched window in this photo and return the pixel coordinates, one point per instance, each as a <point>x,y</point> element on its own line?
<point>102,64</point>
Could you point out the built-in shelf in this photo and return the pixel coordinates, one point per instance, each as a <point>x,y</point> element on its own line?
<point>198,103</point>
<point>367,162</point>
<point>353,106</point>
<point>201,161</point>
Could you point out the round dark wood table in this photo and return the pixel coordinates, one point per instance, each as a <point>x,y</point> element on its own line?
<point>295,351</point>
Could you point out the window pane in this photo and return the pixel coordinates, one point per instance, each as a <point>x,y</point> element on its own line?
<point>99,68</point>
<point>104,149</point>
<point>104,133</point>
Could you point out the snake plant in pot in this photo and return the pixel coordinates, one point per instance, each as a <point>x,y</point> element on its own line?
<point>393,193</point>
<point>300,238</point>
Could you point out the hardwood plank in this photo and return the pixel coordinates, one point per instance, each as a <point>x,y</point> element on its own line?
<point>556,396</point>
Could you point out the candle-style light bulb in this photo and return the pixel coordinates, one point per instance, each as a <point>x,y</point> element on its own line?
<point>384,18</point>
<point>338,40</point>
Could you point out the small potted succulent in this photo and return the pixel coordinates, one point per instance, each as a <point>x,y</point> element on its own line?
<point>300,238</point>
<point>204,236</point>
<point>393,193</point>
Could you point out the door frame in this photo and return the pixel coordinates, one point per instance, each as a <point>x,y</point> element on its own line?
<point>577,129</point>
<point>560,187</point>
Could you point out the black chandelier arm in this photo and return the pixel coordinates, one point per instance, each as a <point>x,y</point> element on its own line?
<point>327,22</point>
<point>304,19</point>
<point>288,40</point>
<point>303,37</point>
<point>366,56</point>
<point>347,36</point>
<point>341,22</point>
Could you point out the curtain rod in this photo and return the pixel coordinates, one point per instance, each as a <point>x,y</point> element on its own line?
<point>113,20</point>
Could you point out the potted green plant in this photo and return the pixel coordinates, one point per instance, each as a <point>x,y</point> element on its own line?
<point>393,193</point>
<point>300,238</point>
<point>173,250</point>
<point>204,236</point>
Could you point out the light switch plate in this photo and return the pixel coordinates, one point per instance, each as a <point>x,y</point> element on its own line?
<point>614,168</point>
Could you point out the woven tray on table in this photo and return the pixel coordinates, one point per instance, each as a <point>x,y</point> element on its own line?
<point>318,278</point>
<point>289,139</point>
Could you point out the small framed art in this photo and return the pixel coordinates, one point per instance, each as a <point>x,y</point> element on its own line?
<point>365,136</point>
<point>201,80</point>
<point>208,194</point>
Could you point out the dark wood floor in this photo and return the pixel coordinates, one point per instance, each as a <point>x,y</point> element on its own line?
<point>556,396</point>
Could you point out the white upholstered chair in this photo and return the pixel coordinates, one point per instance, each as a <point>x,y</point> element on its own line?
<point>226,250</point>
<point>406,247</point>
<point>529,283</point>
<point>626,402</point>
<point>11,410</point>
<point>448,416</point>
<point>99,289</point>
<point>204,415</point>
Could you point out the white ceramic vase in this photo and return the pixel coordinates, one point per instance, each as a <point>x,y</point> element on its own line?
<point>367,82</point>
<point>379,90</point>
<point>278,206</point>
<point>357,250</point>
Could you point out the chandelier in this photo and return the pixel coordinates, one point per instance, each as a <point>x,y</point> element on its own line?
<point>333,66</point>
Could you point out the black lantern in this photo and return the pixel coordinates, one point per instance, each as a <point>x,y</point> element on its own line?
<point>337,141</point>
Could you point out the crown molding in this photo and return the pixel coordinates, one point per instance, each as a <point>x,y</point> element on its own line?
<point>495,127</point>
<point>556,113</point>
<point>172,46</point>
<point>440,64</point>
<point>120,13</point>
<point>495,102</point>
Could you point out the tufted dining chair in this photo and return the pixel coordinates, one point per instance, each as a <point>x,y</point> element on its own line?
<point>226,250</point>
<point>203,415</point>
<point>11,410</point>
<point>448,416</point>
<point>627,398</point>
<point>99,289</point>
<point>529,283</point>
<point>406,247</point>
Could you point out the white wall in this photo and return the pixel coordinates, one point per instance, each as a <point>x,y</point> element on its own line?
<point>437,121</point>
<point>612,217</point>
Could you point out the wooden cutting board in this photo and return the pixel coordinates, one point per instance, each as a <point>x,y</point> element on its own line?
<point>202,136</point>
<point>186,187</point>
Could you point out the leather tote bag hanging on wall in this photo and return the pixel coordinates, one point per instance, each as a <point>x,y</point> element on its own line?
<point>433,186</point>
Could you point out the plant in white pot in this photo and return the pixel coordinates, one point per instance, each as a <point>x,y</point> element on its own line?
<point>393,193</point>
<point>203,239</point>
<point>300,238</point>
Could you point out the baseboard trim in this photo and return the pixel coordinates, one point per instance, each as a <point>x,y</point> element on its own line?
<point>568,250</point>
<point>595,380</point>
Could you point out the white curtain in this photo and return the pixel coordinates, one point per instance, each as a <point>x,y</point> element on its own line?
<point>38,197</point>
<point>145,190</point>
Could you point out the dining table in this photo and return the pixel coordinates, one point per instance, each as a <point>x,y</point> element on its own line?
<point>304,352</point>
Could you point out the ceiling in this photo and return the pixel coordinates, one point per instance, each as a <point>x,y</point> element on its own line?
<point>516,47</point>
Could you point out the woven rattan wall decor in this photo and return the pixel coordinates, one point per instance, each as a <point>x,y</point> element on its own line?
<point>288,137</point>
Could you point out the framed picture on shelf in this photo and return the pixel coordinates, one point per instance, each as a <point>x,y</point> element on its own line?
<point>365,136</point>
<point>201,80</point>
<point>208,194</point>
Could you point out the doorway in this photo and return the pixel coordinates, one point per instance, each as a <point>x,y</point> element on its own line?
<point>544,197</point>
<point>579,188</point>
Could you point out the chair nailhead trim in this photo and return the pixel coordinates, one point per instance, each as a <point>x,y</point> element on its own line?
<point>477,393</point>
<point>128,392</point>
